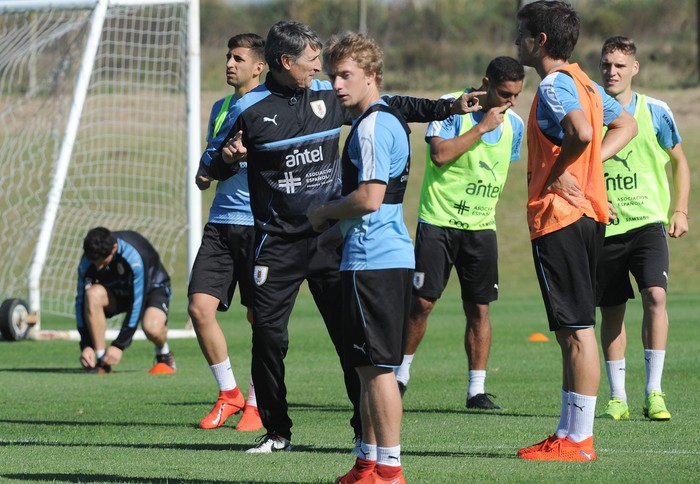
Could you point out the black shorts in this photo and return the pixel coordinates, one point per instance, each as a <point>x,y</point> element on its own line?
<point>474,255</point>
<point>376,307</point>
<point>224,259</point>
<point>565,262</point>
<point>642,252</point>
<point>158,297</point>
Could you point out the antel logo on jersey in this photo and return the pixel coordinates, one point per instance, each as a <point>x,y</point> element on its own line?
<point>305,157</point>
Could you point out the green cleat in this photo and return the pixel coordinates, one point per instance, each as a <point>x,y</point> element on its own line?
<point>616,409</point>
<point>655,407</point>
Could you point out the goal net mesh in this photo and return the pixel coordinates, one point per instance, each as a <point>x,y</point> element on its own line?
<point>128,164</point>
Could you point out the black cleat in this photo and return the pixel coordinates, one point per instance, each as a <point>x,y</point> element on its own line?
<point>100,368</point>
<point>402,388</point>
<point>482,402</point>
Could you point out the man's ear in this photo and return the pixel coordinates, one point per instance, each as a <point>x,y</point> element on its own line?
<point>286,62</point>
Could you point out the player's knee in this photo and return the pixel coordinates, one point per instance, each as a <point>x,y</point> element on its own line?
<point>96,297</point>
<point>654,297</point>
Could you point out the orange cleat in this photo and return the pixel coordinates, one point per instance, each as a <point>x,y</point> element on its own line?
<point>362,469</point>
<point>538,446</point>
<point>223,409</point>
<point>564,450</point>
<point>250,420</point>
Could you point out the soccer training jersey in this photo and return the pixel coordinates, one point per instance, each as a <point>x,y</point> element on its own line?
<point>231,203</point>
<point>463,194</point>
<point>380,151</point>
<point>635,178</point>
<point>564,89</point>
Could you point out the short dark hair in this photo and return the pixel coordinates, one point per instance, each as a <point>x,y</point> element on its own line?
<point>363,49</point>
<point>289,38</point>
<point>98,243</point>
<point>503,69</point>
<point>254,42</point>
<point>558,20</point>
<point>619,43</point>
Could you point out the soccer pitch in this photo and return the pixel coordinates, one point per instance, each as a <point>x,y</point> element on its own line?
<point>58,424</point>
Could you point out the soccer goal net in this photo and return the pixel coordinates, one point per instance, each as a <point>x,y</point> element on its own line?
<point>99,125</point>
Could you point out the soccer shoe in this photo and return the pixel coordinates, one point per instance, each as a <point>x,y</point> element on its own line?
<point>270,443</point>
<point>250,420</point>
<point>616,409</point>
<point>402,388</point>
<point>100,368</point>
<point>564,450</point>
<point>223,409</point>
<point>655,407</point>
<point>362,468</point>
<point>165,364</point>
<point>538,446</point>
<point>376,477</point>
<point>482,401</point>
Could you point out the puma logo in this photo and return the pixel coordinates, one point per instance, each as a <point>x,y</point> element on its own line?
<point>587,456</point>
<point>272,120</point>
<point>485,166</point>
<point>360,348</point>
<point>623,160</point>
<point>579,407</point>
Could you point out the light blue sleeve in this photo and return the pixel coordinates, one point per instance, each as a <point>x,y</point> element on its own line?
<point>611,108</point>
<point>664,123</point>
<point>518,132</point>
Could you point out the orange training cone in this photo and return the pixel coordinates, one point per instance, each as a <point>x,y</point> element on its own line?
<point>537,337</point>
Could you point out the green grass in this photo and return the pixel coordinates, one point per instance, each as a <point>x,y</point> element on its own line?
<point>60,425</point>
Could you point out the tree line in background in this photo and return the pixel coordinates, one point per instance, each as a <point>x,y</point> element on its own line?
<point>443,44</point>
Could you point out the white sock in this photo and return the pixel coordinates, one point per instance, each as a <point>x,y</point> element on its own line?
<point>252,401</point>
<point>654,363</point>
<point>164,350</point>
<point>403,372</point>
<point>476,382</point>
<point>616,376</point>
<point>369,452</point>
<point>389,456</point>
<point>563,426</point>
<point>224,375</point>
<point>581,415</point>
<point>100,353</point>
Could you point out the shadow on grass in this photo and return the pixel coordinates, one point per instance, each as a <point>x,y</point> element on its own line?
<point>225,448</point>
<point>43,370</point>
<point>95,423</point>
<point>480,413</point>
<point>55,477</point>
<point>76,371</point>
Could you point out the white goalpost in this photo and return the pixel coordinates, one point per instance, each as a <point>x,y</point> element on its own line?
<point>99,125</point>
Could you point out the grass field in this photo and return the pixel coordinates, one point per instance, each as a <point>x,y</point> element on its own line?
<point>60,425</point>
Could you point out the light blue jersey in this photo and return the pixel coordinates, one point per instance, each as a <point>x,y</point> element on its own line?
<point>379,240</point>
<point>558,97</point>
<point>662,119</point>
<point>231,203</point>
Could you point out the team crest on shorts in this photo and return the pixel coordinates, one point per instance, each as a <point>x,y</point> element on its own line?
<point>260,275</point>
<point>319,108</point>
<point>418,279</point>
